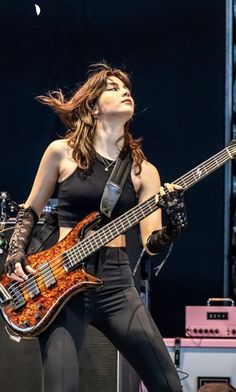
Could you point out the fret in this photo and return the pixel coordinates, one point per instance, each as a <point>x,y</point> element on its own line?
<point>133,217</point>
<point>99,241</point>
<point>184,185</point>
<point>110,232</point>
<point>106,237</point>
<point>142,213</point>
<point>150,207</point>
<point>195,177</point>
<point>227,150</point>
<point>91,248</point>
<point>68,262</point>
<point>88,247</point>
<point>123,227</point>
<point>203,169</point>
<point>71,260</point>
<point>200,171</point>
<point>85,249</point>
<point>129,222</point>
<point>217,162</point>
<point>116,230</point>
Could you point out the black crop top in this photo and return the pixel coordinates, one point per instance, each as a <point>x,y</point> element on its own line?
<point>81,193</point>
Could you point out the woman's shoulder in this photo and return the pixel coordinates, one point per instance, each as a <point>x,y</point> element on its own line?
<point>58,144</point>
<point>58,147</point>
<point>147,168</point>
<point>149,180</point>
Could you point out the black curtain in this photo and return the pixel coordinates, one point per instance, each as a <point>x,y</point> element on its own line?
<point>174,51</point>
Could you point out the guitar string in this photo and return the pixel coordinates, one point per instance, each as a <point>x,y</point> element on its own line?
<point>73,251</point>
<point>205,165</point>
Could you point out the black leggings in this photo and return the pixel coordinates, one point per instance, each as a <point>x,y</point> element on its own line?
<point>118,312</point>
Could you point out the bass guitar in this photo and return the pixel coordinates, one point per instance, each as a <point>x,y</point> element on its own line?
<point>29,307</point>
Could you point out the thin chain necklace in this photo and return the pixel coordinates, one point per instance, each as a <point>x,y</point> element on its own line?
<point>106,162</point>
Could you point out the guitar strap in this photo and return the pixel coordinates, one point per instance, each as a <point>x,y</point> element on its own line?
<point>115,184</point>
<point>111,194</point>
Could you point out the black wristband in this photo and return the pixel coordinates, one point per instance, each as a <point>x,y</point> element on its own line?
<point>159,239</point>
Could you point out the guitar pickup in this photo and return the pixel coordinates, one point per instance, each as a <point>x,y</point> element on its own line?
<point>47,274</point>
<point>32,287</point>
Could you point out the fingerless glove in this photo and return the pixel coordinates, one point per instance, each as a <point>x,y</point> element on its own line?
<point>173,204</point>
<point>26,221</point>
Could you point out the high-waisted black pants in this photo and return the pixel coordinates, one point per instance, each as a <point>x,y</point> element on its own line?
<point>118,312</point>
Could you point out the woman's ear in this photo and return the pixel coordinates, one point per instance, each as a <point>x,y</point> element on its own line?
<point>95,110</point>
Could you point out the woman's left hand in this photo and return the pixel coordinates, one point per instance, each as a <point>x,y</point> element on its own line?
<point>171,200</point>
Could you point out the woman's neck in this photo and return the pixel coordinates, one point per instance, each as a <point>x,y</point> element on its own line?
<point>105,140</point>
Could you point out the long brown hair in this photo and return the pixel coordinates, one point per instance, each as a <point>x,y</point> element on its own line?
<point>77,114</point>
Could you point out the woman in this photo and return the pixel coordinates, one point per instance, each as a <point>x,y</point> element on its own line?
<point>97,116</point>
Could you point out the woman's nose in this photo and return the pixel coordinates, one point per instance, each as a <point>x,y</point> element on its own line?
<point>126,93</point>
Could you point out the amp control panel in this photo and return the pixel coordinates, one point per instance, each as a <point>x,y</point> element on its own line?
<point>210,321</point>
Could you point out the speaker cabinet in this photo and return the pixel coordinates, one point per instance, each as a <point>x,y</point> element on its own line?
<point>202,362</point>
<point>103,368</point>
<point>20,364</point>
<point>98,364</point>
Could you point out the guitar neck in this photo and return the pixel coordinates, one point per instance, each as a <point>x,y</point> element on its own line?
<point>209,166</point>
<point>130,218</point>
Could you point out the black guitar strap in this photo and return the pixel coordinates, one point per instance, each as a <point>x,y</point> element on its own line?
<point>115,184</point>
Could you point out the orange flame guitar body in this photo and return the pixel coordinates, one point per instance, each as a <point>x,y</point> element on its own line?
<point>38,312</point>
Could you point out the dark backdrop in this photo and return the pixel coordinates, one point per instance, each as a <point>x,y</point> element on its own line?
<point>174,51</point>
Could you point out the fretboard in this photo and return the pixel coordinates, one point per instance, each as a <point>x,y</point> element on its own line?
<point>120,225</point>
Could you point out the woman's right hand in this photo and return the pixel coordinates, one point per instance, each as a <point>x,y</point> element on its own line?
<point>16,266</point>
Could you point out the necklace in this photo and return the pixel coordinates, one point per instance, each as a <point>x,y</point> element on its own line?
<point>107,163</point>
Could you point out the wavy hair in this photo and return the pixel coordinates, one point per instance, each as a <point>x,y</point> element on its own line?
<point>77,113</point>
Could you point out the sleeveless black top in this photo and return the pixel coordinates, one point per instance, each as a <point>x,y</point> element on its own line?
<point>81,193</point>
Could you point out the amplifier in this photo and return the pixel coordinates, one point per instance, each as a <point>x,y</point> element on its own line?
<point>201,361</point>
<point>211,321</point>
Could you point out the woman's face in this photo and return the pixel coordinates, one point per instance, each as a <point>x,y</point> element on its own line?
<point>115,101</point>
